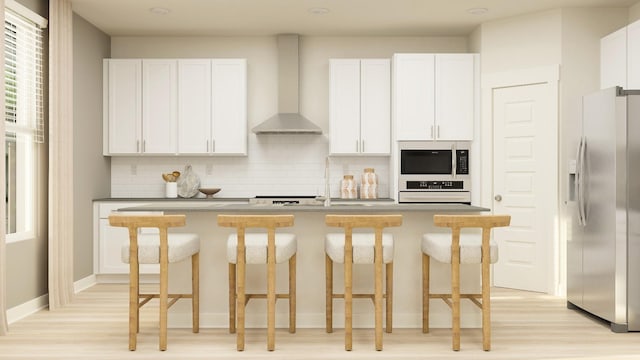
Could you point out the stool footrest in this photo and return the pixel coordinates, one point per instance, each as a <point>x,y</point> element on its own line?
<point>447,298</point>
<point>174,297</point>
<point>263,296</point>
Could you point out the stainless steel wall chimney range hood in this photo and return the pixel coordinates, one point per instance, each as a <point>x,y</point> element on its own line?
<point>288,119</point>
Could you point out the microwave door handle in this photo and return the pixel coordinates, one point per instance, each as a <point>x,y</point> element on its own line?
<point>454,155</point>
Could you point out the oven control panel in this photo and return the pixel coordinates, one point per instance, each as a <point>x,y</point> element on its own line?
<point>435,185</point>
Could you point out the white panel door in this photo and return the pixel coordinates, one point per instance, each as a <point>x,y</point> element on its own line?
<point>344,106</point>
<point>229,109</point>
<point>525,185</point>
<point>159,106</point>
<point>414,96</point>
<point>613,59</point>
<point>455,96</point>
<point>375,106</point>
<point>194,106</point>
<point>124,105</point>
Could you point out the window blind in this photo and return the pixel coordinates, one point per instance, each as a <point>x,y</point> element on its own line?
<point>24,88</point>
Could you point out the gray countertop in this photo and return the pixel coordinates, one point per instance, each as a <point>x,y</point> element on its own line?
<point>334,207</point>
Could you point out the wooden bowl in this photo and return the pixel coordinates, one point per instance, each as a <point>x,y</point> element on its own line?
<point>209,191</point>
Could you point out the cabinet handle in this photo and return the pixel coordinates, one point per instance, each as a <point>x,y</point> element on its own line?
<point>144,145</point>
<point>137,146</point>
<point>362,145</point>
<point>207,145</point>
<point>432,132</point>
<point>438,131</point>
<point>213,145</point>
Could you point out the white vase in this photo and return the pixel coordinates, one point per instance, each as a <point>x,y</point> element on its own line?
<point>171,189</point>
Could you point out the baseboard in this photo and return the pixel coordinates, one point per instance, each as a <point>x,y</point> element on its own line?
<point>30,307</point>
<point>84,284</point>
<point>124,278</point>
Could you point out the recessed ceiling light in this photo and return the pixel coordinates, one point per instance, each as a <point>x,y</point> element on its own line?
<point>318,11</point>
<point>477,11</point>
<point>159,11</point>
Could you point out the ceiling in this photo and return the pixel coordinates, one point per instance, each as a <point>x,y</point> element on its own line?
<point>342,17</point>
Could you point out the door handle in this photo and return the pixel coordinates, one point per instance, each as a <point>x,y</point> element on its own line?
<point>498,197</point>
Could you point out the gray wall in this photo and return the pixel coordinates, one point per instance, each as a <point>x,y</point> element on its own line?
<point>92,171</point>
<point>27,259</point>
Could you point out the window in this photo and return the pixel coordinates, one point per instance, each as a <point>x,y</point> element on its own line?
<point>24,118</point>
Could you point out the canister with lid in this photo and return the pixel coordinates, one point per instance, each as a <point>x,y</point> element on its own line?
<point>369,184</point>
<point>349,189</point>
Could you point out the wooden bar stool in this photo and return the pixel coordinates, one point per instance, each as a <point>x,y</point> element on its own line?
<point>158,249</point>
<point>360,248</point>
<point>457,249</point>
<point>259,248</point>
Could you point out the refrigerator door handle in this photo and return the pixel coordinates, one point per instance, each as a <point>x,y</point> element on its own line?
<point>582,203</point>
<point>576,181</point>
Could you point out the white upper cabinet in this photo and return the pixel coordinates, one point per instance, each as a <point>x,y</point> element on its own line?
<point>455,96</point>
<point>360,106</point>
<point>123,106</point>
<point>159,106</point>
<point>194,106</point>
<point>175,107</point>
<point>613,59</point>
<point>434,96</point>
<point>229,84</point>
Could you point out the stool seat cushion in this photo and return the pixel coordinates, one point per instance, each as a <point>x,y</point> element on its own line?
<point>438,246</point>
<point>181,246</point>
<point>363,247</point>
<point>256,247</point>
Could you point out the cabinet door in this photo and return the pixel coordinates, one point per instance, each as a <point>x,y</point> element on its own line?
<point>375,106</point>
<point>344,106</point>
<point>633,55</point>
<point>111,241</point>
<point>455,96</point>
<point>159,106</point>
<point>613,59</point>
<point>229,94</point>
<point>124,104</point>
<point>194,106</point>
<point>414,96</point>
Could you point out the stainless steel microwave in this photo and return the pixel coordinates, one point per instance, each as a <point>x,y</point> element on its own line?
<point>434,172</point>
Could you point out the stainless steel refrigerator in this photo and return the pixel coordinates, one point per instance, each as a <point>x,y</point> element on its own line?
<point>603,245</point>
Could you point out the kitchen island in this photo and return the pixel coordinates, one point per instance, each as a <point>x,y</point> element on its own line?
<point>310,229</point>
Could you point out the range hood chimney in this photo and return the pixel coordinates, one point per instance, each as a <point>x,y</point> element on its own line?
<point>288,119</point>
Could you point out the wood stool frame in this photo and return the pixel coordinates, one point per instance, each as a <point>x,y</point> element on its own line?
<point>456,223</point>
<point>237,275</point>
<point>349,222</point>
<point>162,222</point>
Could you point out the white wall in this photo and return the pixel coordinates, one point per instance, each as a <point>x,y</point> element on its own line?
<point>92,170</point>
<point>277,164</point>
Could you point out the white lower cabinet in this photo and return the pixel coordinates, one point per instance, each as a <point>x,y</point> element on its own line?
<point>110,240</point>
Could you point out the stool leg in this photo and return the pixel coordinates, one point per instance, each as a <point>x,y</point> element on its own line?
<point>425,293</point>
<point>389,301</point>
<point>164,295</point>
<point>271,302</point>
<point>378,301</point>
<point>195,291</point>
<point>240,302</point>
<point>486,306</point>
<point>348,306</point>
<point>292,294</point>
<point>455,298</point>
<point>134,313</point>
<point>232,298</point>
<point>329,293</point>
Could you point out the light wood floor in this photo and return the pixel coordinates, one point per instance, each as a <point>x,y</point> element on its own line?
<point>525,326</point>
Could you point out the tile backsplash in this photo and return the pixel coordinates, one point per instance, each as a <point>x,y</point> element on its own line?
<point>275,165</point>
